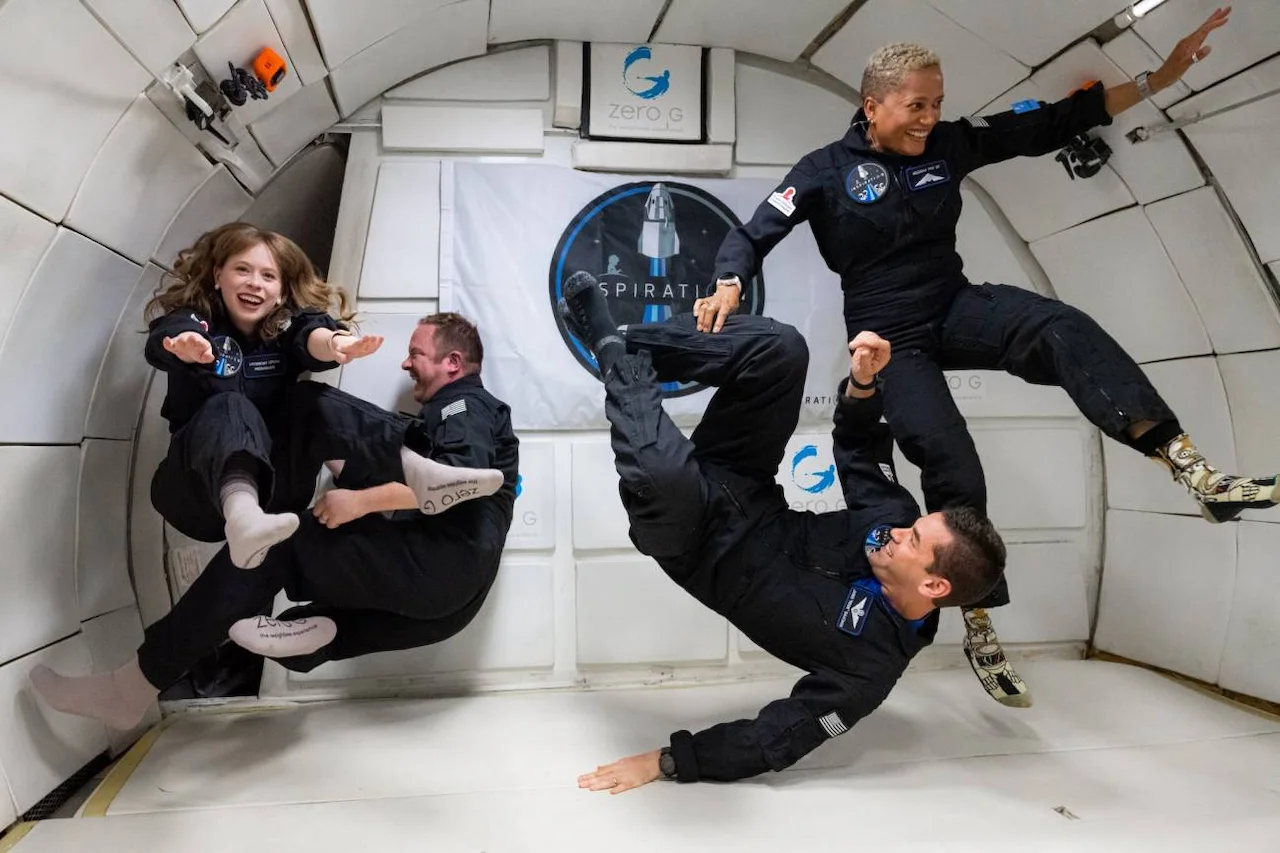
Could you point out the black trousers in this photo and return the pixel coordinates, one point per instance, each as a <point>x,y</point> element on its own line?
<point>312,424</point>
<point>387,584</point>
<point>1043,341</point>
<point>685,497</point>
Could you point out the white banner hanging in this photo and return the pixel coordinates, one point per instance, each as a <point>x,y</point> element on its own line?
<point>513,233</point>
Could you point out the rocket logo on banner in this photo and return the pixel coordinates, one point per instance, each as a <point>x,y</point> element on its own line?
<point>652,246</point>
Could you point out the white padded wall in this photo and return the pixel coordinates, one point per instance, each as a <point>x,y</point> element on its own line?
<point>1255,411</point>
<point>1029,32</point>
<point>534,526</point>
<point>976,71</point>
<point>580,20</point>
<point>1154,169</point>
<point>1251,656</point>
<point>102,560</point>
<point>1239,147</point>
<point>64,120</point>
<point>24,238</point>
<point>514,629</point>
<point>1252,35</point>
<point>510,75</point>
<point>1035,192</point>
<point>344,29</point>
<point>1167,589</point>
<point>283,132</point>
<point>599,521</point>
<point>615,597</point>
<point>449,33</point>
<point>38,497</point>
<point>1134,56</point>
<point>52,381</point>
<point>780,118</point>
<point>376,378</point>
<point>39,747</point>
<point>1114,268</point>
<point>764,27</point>
<point>1213,262</point>
<point>219,199</point>
<point>122,380</point>
<point>139,181</point>
<point>402,256</point>
<point>295,31</point>
<point>986,252</point>
<point>1193,389</point>
<point>154,31</point>
<point>498,130</point>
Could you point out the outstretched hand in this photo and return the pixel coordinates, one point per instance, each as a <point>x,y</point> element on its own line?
<point>1191,49</point>
<point>623,774</point>
<point>868,355</point>
<point>348,347</point>
<point>191,347</point>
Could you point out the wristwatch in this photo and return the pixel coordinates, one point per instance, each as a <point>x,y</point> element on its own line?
<point>731,278</point>
<point>1144,84</point>
<point>667,763</point>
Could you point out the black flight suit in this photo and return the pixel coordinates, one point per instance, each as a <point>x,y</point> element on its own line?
<point>394,581</point>
<point>886,224</point>
<point>232,407</point>
<point>710,511</point>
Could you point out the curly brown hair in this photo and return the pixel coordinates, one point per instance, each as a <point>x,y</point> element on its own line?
<point>191,284</point>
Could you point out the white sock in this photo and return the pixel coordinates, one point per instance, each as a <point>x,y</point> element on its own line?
<point>118,699</point>
<point>439,487</point>
<point>273,638</point>
<point>250,531</point>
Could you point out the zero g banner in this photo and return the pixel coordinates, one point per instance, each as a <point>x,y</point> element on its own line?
<point>512,234</point>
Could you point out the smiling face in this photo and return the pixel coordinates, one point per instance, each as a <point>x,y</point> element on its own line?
<point>431,370</point>
<point>902,565</point>
<point>902,120</point>
<point>250,285</point>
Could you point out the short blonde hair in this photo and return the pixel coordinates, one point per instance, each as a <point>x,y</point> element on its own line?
<point>890,65</point>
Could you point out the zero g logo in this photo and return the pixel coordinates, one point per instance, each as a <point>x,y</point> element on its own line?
<point>647,86</point>
<point>652,247</point>
<point>812,481</point>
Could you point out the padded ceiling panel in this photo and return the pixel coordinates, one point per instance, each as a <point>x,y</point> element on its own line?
<point>767,27</point>
<point>780,118</point>
<point>575,20</point>
<point>1036,193</point>
<point>976,71</point>
<point>1234,301</point>
<point>64,82</point>
<point>285,130</point>
<point>1252,34</point>
<point>345,28</point>
<point>1114,269</point>
<point>1152,170</point>
<point>509,75</point>
<point>1029,32</point>
<point>139,181</point>
<point>1134,55</point>
<point>154,30</point>
<point>1240,148</point>
<point>218,200</point>
<point>291,22</point>
<point>24,238</point>
<point>203,14</point>
<point>449,33</point>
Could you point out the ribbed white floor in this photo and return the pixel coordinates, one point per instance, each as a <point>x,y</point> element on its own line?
<point>1110,758</point>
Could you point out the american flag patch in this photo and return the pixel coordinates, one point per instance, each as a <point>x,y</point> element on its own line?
<point>976,121</point>
<point>454,408</point>
<point>833,725</point>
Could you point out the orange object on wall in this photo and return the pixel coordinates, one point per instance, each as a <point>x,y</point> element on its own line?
<point>269,68</point>
<point>1089,84</point>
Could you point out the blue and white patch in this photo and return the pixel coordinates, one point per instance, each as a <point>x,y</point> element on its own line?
<point>264,366</point>
<point>927,176</point>
<point>1026,106</point>
<point>457,407</point>
<point>867,182</point>
<point>227,356</point>
<point>857,607</point>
